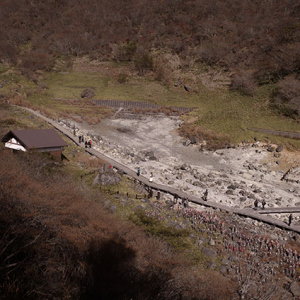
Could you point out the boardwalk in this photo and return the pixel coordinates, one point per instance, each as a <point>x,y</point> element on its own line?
<point>289,134</point>
<point>279,210</point>
<point>138,105</point>
<point>259,214</point>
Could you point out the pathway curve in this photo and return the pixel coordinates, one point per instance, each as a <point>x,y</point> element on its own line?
<point>246,212</point>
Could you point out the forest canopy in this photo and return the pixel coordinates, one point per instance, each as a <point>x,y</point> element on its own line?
<point>261,36</point>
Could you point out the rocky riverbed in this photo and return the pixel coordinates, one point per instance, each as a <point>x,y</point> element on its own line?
<point>263,259</point>
<point>234,177</point>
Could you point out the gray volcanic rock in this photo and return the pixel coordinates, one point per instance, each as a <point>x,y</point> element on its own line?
<point>208,252</point>
<point>279,148</point>
<point>295,289</point>
<point>150,155</point>
<point>87,93</point>
<point>107,178</point>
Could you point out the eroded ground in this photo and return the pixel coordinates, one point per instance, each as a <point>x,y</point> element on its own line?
<point>235,177</point>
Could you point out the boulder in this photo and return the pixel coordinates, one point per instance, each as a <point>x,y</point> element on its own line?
<point>208,252</point>
<point>229,192</point>
<point>232,187</point>
<point>188,88</point>
<point>185,167</point>
<point>211,265</point>
<point>194,140</point>
<point>150,155</point>
<point>199,184</point>
<point>186,142</point>
<point>87,93</point>
<point>107,178</point>
<point>178,83</point>
<point>279,148</point>
<point>295,289</point>
<point>226,262</point>
<point>234,258</point>
<point>223,270</point>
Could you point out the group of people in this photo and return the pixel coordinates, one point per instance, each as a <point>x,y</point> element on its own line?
<point>263,204</point>
<point>81,139</point>
<point>138,173</point>
<point>87,144</point>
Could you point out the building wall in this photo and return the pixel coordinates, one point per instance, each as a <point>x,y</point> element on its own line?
<point>57,155</point>
<point>14,144</point>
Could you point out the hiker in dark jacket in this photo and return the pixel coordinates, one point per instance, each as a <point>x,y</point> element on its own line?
<point>290,219</point>
<point>255,204</point>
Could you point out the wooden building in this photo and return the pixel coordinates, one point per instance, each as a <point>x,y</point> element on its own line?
<point>42,140</point>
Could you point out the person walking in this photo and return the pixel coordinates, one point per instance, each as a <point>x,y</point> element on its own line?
<point>138,172</point>
<point>290,219</point>
<point>255,204</point>
<point>263,204</point>
<point>185,202</point>
<point>175,198</point>
<point>205,195</point>
<point>151,177</point>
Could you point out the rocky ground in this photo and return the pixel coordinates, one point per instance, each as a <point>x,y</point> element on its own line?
<point>262,258</point>
<point>234,177</point>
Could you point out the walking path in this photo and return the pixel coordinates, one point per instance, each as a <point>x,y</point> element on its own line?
<point>279,210</point>
<point>259,215</point>
<point>290,134</point>
<point>136,104</point>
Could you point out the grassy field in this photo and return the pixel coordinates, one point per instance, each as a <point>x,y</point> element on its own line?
<point>221,110</point>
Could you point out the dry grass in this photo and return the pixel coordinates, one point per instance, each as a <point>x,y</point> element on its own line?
<point>88,161</point>
<point>88,250</point>
<point>213,140</point>
<point>73,248</point>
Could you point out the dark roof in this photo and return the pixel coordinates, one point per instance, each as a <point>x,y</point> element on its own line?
<point>36,138</point>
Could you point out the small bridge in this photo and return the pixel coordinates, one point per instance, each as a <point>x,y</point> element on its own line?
<point>139,105</point>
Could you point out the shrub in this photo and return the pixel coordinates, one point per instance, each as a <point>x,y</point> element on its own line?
<point>213,140</point>
<point>244,82</point>
<point>56,242</point>
<point>288,89</point>
<point>143,62</point>
<point>92,120</point>
<point>286,97</point>
<point>125,52</point>
<point>122,77</point>
<point>163,71</point>
<point>34,61</point>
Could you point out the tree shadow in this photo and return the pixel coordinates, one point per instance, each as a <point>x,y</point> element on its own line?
<point>112,273</point>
